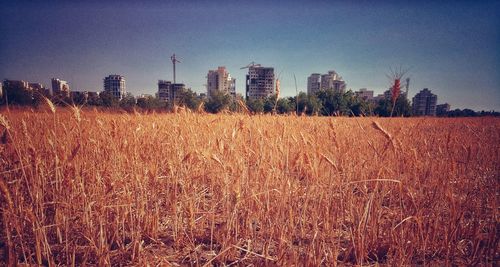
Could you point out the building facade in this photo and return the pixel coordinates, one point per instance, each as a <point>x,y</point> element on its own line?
<point>332,81</point>
<point>424,103</point>
<point>313,83</point>
<point>259,82</point>
<point>220,81</point>
<point>365,94</point>
<point>168,91</point>
<point>22,92</point>
<point>115,84</point>
<point>60,87</point>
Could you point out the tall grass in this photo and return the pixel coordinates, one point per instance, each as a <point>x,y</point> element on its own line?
<point>84,187</point>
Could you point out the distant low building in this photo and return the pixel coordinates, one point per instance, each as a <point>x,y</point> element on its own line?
<point>365,94</point>
<point>424,103</point>
<point>22,92</point>
<point>60,87</point>
<point>93,94</point>
<point>40,88</point>
<point>144,96</point>
<point>378,97</point>
<point>202,96</point>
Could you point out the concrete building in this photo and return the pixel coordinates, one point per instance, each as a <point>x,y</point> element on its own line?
<point>7,84</point>
<point>79,96</point>
<point>19,89</point>
<point>365,94</point>
<point>259,82</point>
<point>38,87</point>
<point>424,103</point>
<point>332,81</point>
<point>313,83</point>
<point>22,92</point>
<point>168,91</point>
<point>60,87</point>
<point>220,81</point>
<point>115,84</point>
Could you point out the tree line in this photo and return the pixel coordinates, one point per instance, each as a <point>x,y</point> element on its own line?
<point>323,103</point>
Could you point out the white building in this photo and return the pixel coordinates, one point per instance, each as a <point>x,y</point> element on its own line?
<point>115,84</point>
<point>332,81</point>
<point>259,82</point>
<point>60,87</point>
<point>313,83</point>
<point>220,81</point>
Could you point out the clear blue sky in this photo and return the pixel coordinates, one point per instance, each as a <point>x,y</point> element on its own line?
<point>452,47</point>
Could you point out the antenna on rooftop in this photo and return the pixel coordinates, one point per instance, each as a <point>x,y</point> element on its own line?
<point>407,86</point>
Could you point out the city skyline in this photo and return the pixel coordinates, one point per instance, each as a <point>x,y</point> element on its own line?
<point>450,48</point>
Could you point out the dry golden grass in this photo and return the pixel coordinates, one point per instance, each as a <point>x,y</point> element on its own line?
<point>84,187</point>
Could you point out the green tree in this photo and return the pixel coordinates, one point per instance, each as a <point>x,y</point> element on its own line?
<point>269,103</point>
<point>150,103</point>
<point>189,99</point>
<point>93,99</point>
<point>310,104</point>
<point>15,94</point>
<point>402,107</point>
<point>108,100</point>
<point>255,105</point>
<point>128,102</point>
<point>218,102</point>
<point>286,105</point>
<point>361,107</point>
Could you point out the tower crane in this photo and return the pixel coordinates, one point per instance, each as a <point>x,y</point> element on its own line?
<point>252,64</point>
<point>407,86</point>
<point>174,60</point>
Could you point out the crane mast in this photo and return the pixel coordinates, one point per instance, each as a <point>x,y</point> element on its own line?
<point>174,60</point>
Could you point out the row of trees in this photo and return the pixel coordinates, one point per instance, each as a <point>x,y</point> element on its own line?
<point>325,103</point>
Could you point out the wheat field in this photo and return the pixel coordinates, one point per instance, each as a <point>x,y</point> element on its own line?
<point>84,187</point>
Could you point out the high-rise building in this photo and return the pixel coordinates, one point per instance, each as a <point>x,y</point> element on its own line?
<point>365,94</point>
<point>332,81</point>
<point>313,83</point>
<point>424,103</point>
<point>259,82</point>
<point>168,91</point>
<point>60,87</point>
<point>115,84</point>
<point>220,81</point>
